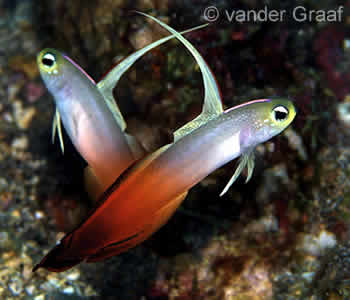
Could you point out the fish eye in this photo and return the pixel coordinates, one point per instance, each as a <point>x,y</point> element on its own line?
<point>280,113</point>
<point>48,60</point>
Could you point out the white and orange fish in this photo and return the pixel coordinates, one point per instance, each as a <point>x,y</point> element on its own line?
<point>91,116</point>
<point>147,194</point>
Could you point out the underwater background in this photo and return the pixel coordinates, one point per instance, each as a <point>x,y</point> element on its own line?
<point>284,235</point>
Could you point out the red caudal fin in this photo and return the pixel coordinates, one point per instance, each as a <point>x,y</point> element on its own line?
<point>56,260</point>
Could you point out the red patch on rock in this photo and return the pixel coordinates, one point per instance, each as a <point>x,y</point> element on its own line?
<point>329,56</point>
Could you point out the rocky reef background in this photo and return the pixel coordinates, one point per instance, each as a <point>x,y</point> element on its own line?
<point>282,236</point>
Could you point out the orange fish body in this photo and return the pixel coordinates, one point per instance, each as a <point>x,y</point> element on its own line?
<point>115,226</point>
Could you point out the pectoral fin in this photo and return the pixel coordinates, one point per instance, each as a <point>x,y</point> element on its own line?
<point>56,124</point>
<point>212,106</point>
<point>251,165</point>
<point>107,84</point>
<point>246,159</point>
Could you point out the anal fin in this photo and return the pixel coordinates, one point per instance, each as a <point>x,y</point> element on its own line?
<point>93,186</point>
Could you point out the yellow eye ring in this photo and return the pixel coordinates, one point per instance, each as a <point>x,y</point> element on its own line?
<point>48,61</point>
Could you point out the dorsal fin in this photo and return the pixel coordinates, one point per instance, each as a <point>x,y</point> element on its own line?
<point>107,83</point>
<point>212,105</point>
<point>135,146</point>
